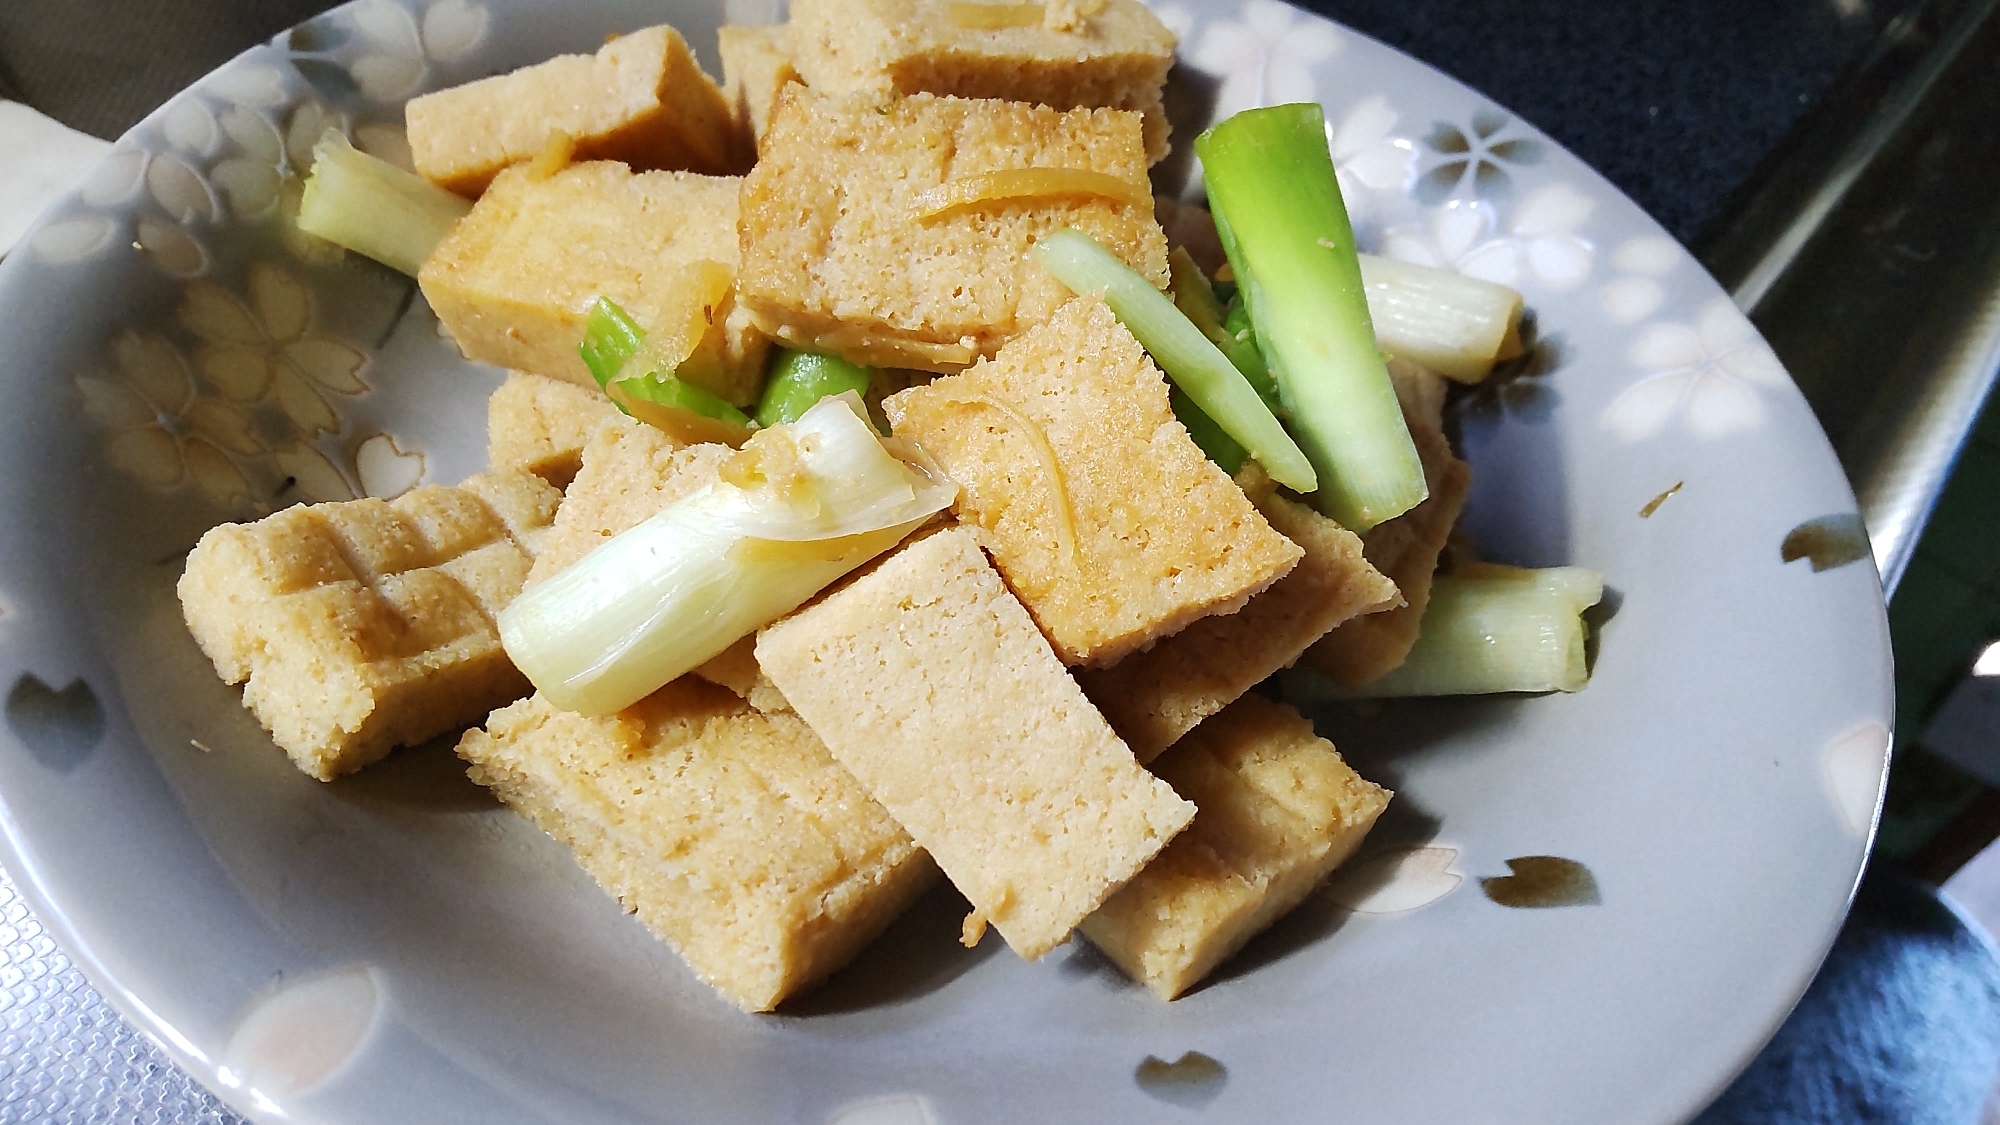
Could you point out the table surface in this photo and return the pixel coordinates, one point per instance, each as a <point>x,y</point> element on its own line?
<point>1677,102</point>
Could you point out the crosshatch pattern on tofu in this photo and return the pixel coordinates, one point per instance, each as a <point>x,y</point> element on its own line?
<point>838,255</point>
<point>931,685</point>
<point>1279,811</point>
<point>1161,536</point>
<point>1117,56</point>
<point>733,835</point>
<point>361,626</point>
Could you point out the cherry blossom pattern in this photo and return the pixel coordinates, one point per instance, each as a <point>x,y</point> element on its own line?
<point>1710,372</point>
<point>162,430</point>
<point>1539,244</point>
<point>1637,293</point>
<point>1266,57</point>
<point>1395,881</point>
<point>1855,763</point>
<point>386,470</point>
<point>1475,159</point>
<point>265,348</point>
<point>1368,158</point>
<point>399,48</point>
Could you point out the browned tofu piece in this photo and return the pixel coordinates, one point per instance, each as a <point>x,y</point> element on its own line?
<point>1406,549</point>
<point>756,64</point>
<point>1129,534</point>
<point>840,255</point>
<point>539,425</point>
<point>1154,697</point>
<point>361,626</point>
<point>928,681</point>
<point>1279,811</point>
<point>641,100</point>
<point>1053,54</point>
<point>733,835</point>
<point>514,280</point>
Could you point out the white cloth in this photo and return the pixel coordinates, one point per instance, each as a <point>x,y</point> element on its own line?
<point>40,159</point>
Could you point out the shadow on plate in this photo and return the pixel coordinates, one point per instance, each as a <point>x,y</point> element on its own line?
<point>429,777</point>
<point>915,956</point>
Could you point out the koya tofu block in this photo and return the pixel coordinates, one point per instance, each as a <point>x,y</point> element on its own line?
<point>756,64</point>
<point>641,100</point>
<point>1154,697</point>
<point>928,681</point>
<point>361,626</point>
<point>1065,53</point>
<point>1406,549</point>
<point>897,232</point>
<point>733,835</point>
<point>1109,523</point>
<point>1279,811</point>
<point>539,425</point>
<point>514,280</point>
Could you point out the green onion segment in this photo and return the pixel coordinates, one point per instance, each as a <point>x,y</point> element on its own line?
<point>1498,628</point>
<point>799,506</point>
<point>373,207</point>
<point>614,349</point>
<point>1188,357</point>
<point>1278,210</point>
<point>799,380</point>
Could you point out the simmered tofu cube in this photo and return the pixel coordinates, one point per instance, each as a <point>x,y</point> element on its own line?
<point>539,425</point>
<point>1154,697</point>
<point>1117,55</point>
<point>1109,523</point>
<point>733,835</point>
<point>756,64</point>
<point>514,281</point>
<point>1279,811</point>
<point>897,232</point>
<point>927,680</point>
<point>641,100</point>
<point>361,626</point>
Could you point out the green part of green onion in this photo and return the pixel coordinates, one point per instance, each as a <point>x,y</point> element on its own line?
<point>1213,440</point>
<point>666,390</point>
<point>374,208</point>
<point>610,339</point>
<point>1278,210</point>
<point>1497,629</point>
<point>1241,348</point>
<point>1189,358</point>
<point>800,379</point>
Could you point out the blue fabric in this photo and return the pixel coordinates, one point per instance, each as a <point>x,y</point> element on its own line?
<point>1901,1027</point>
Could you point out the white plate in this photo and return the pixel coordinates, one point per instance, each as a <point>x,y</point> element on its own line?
<point>395,947</point>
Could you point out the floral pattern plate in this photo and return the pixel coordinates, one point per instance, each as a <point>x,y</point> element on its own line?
<point>1580,908</point>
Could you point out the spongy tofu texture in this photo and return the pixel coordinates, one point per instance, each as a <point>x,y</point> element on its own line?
<point>514,280</point>
<point>1406,549</point>
<point>1154,697</point>
<point>756,64</point>
<point>1163,536</point>
<point>1118,56</point>
<point>836,256</point>
<point>930,684</point>
<point>1279,811</point>
<point>641,100</point>
<point>539,425</point>
<point>733,835</point>
<point>361,626</point>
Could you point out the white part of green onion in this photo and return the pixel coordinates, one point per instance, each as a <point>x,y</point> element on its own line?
<point>1498,629</point>
<point>1188,357</point>
<point>655,602</point>
<point>373,207</point>
<point>1453,324</point>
